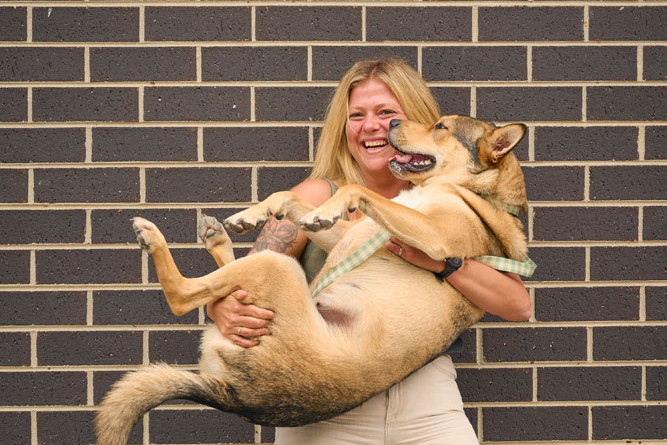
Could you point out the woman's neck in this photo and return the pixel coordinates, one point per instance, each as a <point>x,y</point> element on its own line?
<point>389,187</point>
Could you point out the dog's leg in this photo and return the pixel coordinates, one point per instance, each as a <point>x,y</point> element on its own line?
<point>216,240</point>
<point>436,236</point>
<point>291,206</point>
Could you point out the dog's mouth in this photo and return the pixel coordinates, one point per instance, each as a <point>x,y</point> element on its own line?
<point>410,162</point>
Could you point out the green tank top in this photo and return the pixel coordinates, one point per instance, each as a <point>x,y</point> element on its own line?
<point>313,258</point>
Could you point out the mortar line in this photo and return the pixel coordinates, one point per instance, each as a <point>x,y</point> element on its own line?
<point>142,185</point>
<point>198,64</point>
<point>311,144</point>
<point>33,428</point>
<point>144,267</point>
<point>309,63</point>
<point>145,358</point>
<point>475,24</point>
<point>529,63</point>
<point>142,23</point>
<point>88,229</point>
<point>86,64</point>
<point>29,105</point>
<point>363,23</point>
<point>642,303</point>
<point>254,185</point>
<point>34,362</point>
<point>587,264</point>
<point>140,104</point>
<point>473,101</point>
<point>643,390</point>
<point>33,267</point>
<point>253,104</point>
<point>640,223</point>
<point>90,391</point>
<point>420,61</point>
<point>586,23</point>
<point>88,145</point>
<point>90,310</point>
<point>535,377</point>
<point>589,344</point>
<point>584,104</point>
<point>531,143</point>
<point>200,144</point>
<point>590,423</point>
<point>253,23</point>
<point>641,142</point>
<point>587,183</point>
<point>31,186</point>
<point>640,63</point>
<point>28,24</point>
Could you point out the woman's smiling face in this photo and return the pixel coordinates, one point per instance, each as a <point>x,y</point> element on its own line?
<point>370,109</point>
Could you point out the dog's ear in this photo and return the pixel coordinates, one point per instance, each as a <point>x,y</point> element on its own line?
<point>502,140</point>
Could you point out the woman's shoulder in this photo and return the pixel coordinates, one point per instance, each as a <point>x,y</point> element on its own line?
<point>315,191</point>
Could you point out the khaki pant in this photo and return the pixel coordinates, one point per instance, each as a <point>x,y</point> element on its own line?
<point>423,409</point>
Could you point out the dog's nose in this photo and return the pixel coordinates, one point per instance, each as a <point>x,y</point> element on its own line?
<point>394,123</point>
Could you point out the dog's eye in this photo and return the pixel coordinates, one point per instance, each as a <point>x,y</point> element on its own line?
<point>440,126</point>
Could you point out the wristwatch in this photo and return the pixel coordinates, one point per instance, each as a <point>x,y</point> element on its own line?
<point>451,266</point>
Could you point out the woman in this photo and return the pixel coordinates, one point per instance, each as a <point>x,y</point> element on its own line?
<point>426,407</point>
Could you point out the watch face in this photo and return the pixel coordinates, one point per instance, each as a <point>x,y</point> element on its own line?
<point>454,263</point>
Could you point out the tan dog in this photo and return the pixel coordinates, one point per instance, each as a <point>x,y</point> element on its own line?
<point>390,316</point>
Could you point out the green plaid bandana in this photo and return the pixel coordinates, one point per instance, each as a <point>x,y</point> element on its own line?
<point>524,268</point>
<point>356,258</point>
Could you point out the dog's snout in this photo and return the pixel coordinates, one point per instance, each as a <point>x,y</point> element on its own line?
<point>394,123</point>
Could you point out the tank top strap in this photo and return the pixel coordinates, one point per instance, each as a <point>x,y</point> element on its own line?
<point>333,186</point>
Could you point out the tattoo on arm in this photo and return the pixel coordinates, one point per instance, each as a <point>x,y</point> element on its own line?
<point>276,235</point>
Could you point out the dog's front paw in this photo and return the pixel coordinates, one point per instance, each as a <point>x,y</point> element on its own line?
<point>317,220</point>
<point>148,235</point>
<point>252,218</point>
<point>211,232</point>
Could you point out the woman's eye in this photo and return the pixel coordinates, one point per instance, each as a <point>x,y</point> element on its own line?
<point>355,116</point>
<point>440,126</point>
<point>385,112</point>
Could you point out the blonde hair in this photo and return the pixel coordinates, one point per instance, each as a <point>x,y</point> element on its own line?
<point>333,159</point>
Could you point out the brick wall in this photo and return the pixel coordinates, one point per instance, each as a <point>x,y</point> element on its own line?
<point>170,109</point>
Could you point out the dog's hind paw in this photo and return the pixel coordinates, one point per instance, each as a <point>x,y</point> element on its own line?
<point>211,232</point>
<point>148,235</point>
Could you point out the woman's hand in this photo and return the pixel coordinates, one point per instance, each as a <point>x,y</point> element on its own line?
<point>414,256</point>
<point>240,323</point>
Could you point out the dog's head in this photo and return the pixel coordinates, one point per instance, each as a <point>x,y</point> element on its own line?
<point>460,150</point>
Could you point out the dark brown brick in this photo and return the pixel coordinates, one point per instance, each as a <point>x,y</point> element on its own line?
<point>655,141</point>
<point>469,63</point>
<point>14,349</point>
<point>194,426</point>
<point>145,144</point>
<point>453,100</point>
<point>331,62</point>
<point>524,23</point>
<point>256,144</point>
<point>656,376</point>
<point>198,23</point>
<point>88,266</point>
<point>558,263</point>
<point>585,224</point>
<point>42,145</point>
<point>535,424</point>
<point>589,383</point>
<point>15,427</point>
<point>190,262</point>
<point>656,303</point>
<point>308,23</point>
<point>630,343</point>
<point>198,184</point>
<point>85,104</point>
<point>102,381</point>
<point>43,388</point>
<point>423,24</point>
<point>254,63</point>
<point>15,265</point>
<point>72,428</point>
<point>584,63</point>
<point>115,225</point>
<point>89,348</point>
<point>629,422</point>
<point>268,434</point>
<point>43,308</point>
<point>292,104</point>
<point>271,180</point>
<point>628,182</point>
<point>534,344</point>
<point>495,385</point>
<point>587,303</point>
<point>626,103</point>
<point>135,307</point>
<point>654,223</point>
<point>586,143</point>
<point>42,226</point>
<point>628,263</point>
<point>627,23</point>
<point>529,104</point>
<point>469,352</point>
<point>175,347</point>
<point>13,23</point>
<point>655,60</point>
<point>87,185</point>
<point>13,104</point>
<point>197,103</point>
<point>41,64</point>
<point>85,24</point>
<point>13,185</point>
<point>127,64</point>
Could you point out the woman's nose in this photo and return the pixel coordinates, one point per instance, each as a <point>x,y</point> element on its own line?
<point>372,122</point>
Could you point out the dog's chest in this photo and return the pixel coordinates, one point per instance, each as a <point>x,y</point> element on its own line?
<point>414,198</point>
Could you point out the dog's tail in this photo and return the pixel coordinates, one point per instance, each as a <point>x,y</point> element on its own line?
<point>138,392</point>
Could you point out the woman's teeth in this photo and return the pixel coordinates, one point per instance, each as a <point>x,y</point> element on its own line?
<point>373,144</point>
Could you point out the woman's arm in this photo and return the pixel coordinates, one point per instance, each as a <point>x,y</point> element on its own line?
<point>498,293</point>
<point>242,323</point>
